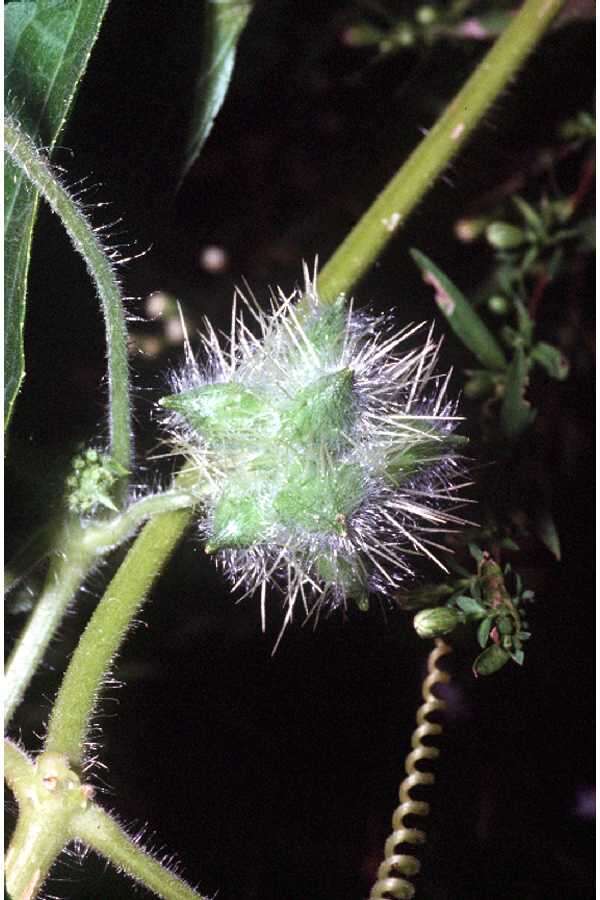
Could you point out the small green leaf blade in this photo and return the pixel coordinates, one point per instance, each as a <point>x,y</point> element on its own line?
<point>224,21</point>
<point>551,360</point>
<point>470,606</point>
<point>462,318</point>
<point>483,632</point>
<point>547,532</point>
<point>19,215</point>
<point>516,413</point>
<point>47,46</point>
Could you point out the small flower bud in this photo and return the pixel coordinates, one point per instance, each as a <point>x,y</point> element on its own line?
<point>498,305</point>
<point>362,35</point>
<point>431,623</point>
<point>468,230</point>
<point>426,15</point>
<point>91,481</point>
<point>504,236</point>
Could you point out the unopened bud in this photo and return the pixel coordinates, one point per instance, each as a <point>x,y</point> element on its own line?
<point>431,623</point>
<point>504,236</point>
<point>498,305</point>
<point>468,230</point>
<point>426,15</point>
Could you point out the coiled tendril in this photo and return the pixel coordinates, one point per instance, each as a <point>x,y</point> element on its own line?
<point>396,868</point>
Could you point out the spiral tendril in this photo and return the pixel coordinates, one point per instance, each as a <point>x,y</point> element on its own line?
<point>397,868</point>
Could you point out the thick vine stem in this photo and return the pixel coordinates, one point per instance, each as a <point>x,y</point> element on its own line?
<point>38,172</point>
<point>397,868</point>
<point>392,207</point>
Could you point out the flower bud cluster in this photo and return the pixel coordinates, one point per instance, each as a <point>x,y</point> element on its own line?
<point>91,480</point>
<point>325,446</point>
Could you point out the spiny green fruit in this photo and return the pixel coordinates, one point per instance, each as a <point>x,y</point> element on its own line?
<point>324,446</point>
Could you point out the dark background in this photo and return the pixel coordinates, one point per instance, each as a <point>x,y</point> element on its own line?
<point>275,777</point>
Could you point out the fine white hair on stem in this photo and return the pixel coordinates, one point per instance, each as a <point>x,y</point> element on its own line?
<point>324,436</point>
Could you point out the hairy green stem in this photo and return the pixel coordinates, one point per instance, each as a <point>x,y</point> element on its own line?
<point>79,551</point>
<point>39,173</point>
<point>105,631</point>
<point>392,207</point>
<point>48,794</point>
<point>18,769</point>
<point>55,808</point>
<point>65,576</point>
<point>103,834</point>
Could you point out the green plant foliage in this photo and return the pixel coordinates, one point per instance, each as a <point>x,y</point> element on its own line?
<point>224,21</point>
<point>47,47</point>
<point>462,318</point>
<point>485,601</point>
<point>516,413</point>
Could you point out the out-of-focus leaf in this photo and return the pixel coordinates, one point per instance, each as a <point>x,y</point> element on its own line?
<point>508,544</point>
<point>551,360</point>
<point>524,322</point>
<point>491,660</point>
<point>530,216</point>
<point>516,413</point>
<point>47,47</point>
<point>547,533</point>
<point>504,235</point>
<point>224,21</point>
<point>464,321</point>
<point>469,606</point>
<point>479,383</point>
<point>476,552</point>
<point>483,632</point>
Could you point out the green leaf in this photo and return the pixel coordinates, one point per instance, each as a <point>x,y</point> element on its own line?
<point>530,216</point>
<point>518,584</point>
<point>46,46</point>
<point>464,321</point>
<point>469,606</point>
<point>224,21</point>
<point>475,551</point>
<point>547,533</point>
<point>483,632</point>
<point>516,413</point>
<point>508,544</point>
<point>524,322</point>
<point>551,360</point>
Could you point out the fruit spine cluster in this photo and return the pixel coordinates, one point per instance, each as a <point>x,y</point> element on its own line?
<point>325,445</point>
